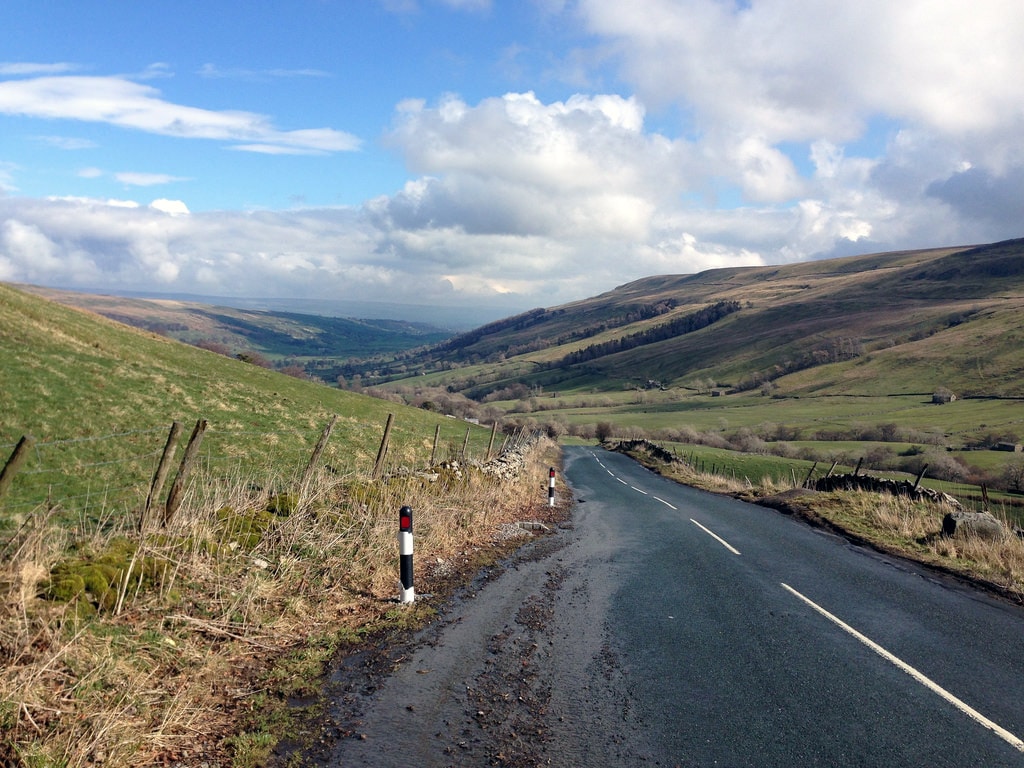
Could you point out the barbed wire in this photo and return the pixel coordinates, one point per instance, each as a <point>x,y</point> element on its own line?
<point>89,438</point>
<point>60,473</point>
<point>93,465</point>
<point>163,429</point>
<point>63,499</point>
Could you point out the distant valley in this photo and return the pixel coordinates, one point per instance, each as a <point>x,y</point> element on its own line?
<point>317,345</point>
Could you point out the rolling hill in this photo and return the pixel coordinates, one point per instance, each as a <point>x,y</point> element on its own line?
<point>315,342</point>
<point>889,323</point>
<point>98,397</point>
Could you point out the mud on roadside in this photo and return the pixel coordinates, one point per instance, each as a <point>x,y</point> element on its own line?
<point>507,698</point>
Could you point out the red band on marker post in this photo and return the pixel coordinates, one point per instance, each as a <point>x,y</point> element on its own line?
<point>405,554</point>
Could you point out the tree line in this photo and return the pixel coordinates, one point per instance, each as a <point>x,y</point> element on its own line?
<point>694,321</point>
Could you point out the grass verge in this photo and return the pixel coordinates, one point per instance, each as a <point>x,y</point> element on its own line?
<point>892,524</point>
<point>206,642</point>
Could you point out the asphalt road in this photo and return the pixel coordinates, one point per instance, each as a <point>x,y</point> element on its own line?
<point>672,627</point>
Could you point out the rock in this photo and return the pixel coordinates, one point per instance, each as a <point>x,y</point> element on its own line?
<point>655,450</point>
<point>884,485</point>
<point>533,525</point>
<point>980,524</point>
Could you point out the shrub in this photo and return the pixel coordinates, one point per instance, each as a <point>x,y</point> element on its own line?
<point>745,440</point>
<point>585,431</point>
<point>1013,475</point>
<point>879,457</point>
<point>941,466</point>
<point>254,358</point>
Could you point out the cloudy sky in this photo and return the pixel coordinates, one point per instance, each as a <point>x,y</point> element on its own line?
<point>496,154</point>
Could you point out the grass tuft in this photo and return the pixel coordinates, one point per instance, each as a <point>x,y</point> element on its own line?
<point>128,648</point>
<point>896,524</point>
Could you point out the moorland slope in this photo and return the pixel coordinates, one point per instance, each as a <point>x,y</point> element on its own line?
<point>888,323</point>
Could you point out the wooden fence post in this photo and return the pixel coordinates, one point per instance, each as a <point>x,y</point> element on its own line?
<point>490,445</point>
<point>810,472</point>
<point>178,486</point>
<point>465,443</point>
<point>920,476</point>
<point>437,438</point>
<point>14,462</point>
<point>162,470</point>
<point>318,452</point>
<point>378,465</point>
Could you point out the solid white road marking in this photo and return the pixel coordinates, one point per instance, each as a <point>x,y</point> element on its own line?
<point>716,537</point>
<point>639,491</point>
<point>1001,732</point>
<point>663,502</point>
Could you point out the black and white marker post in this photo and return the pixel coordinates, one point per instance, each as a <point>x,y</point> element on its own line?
<point>551,487</point>
<point>405,554</point>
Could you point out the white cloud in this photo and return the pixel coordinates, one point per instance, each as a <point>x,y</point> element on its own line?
<point>138,179</point>
<point>7,177</point>
<point>406,7</point>
<point>763,172</point>
<point>756,78</point>
<point>173,207</point>
<point>67,142</point>
<point>21,68</point>
<point>468,5</point>
<point>798,69</point>
<point>128,104</point>
<point>238,73</point>
<point>513,165</point>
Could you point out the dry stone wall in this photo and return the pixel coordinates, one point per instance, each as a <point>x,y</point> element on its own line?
<point>883,485</point>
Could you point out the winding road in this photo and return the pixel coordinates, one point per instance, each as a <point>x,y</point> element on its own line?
<point>671,627</point>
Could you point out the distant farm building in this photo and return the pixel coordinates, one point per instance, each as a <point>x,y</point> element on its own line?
<point>940,398</point>
<point>1011,447</point>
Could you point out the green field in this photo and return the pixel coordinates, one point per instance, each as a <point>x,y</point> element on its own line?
<point>755,469</point>
<point>749,467</point>
<point>99,398</point>
<point>887,432</point>
<point>809,418</point>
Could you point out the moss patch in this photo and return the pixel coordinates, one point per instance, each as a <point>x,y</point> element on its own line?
<point>95,582</point>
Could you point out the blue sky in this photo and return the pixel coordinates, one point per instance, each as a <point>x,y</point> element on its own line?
<point>491,154</point>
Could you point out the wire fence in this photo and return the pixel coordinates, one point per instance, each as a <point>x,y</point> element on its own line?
<point>81,474</point>
<point>95,479</point>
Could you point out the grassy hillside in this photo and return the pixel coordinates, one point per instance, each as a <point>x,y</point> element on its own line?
<point>99,398</point>
<point>895,323</point>
<point>846,349</point>
<point>316,342</point>
<point>208,639</point>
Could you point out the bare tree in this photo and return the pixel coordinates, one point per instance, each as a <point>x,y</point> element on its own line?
<point>1013,474</point>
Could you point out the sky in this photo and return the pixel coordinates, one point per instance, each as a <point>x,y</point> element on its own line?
<point>493,156</point>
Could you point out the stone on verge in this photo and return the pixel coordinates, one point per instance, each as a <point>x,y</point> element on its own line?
<point>980,524</point>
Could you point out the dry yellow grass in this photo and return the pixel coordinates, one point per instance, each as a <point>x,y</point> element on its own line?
<point>896,524</point>
<point>243,609</point>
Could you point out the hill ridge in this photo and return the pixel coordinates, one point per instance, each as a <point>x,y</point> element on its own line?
<point>917,319</point>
